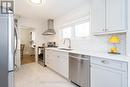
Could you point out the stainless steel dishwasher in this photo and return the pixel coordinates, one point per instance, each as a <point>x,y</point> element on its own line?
<point>79,69</point>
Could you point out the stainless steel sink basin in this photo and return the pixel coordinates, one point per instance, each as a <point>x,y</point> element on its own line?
<point>68,49</point>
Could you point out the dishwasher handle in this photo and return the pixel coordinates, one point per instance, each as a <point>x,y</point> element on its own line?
<point>87,59</point>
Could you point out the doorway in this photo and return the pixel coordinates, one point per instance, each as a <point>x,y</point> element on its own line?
<point>27,45</point>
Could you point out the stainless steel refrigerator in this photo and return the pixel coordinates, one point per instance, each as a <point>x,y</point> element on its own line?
<point>8,46</point>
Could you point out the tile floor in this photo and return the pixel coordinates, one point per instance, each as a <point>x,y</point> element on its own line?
<point>34,75</point>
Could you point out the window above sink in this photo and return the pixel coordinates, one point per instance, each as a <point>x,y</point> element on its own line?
<point>80,29</point>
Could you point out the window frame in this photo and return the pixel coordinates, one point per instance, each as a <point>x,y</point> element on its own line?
<point>63,29</point>
<point>73,25</point>
<point>81,22</point>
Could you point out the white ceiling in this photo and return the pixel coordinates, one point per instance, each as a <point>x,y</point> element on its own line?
<point>49,9</point>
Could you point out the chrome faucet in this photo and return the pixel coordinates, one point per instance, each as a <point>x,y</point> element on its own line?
<point>69,42</point>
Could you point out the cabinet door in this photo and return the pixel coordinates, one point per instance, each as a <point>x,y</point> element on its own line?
<point>105,77</point>
<point>49,58</point>
<point>64,64</point>
<point>115,15</point>
<point>46,57</point>
<point>53,59</point>
<point>58,61</point>
<point>98,16</point>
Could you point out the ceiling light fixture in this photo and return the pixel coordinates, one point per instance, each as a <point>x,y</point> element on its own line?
<point>36,1</point>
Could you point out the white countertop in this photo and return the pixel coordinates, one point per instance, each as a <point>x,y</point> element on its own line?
<point>96,54</point>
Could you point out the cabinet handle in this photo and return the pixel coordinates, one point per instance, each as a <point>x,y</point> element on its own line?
<point>105,62</point>
<point>106,30</point>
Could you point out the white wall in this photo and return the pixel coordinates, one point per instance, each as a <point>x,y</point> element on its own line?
<point>128,42</point>
<point>82,11</point>
<point>128,33</point>
<point>38,27</point>
<point>25,39</point>
<point>95,43</point>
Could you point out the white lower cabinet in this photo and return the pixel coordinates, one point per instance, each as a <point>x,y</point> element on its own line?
<point>47,57</point>
<point>104,75</point>
<point>63,64</point>
<point>104,72</point>
<point>58,61</point>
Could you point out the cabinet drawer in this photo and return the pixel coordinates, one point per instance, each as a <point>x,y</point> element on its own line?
<point>109,63</point>
<point>62,54</point>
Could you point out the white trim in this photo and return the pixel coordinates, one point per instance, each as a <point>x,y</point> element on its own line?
<point>128,41</point>
<point>71,23</point>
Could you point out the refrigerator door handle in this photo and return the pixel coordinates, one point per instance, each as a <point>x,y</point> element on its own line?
<point>16,44</point>
<point>16,39</point>
<point>11,71</point>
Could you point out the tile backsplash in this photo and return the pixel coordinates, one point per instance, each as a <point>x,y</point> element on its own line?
<point>97,43</point>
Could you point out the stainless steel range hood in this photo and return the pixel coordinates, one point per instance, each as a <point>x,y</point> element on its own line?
<point>50,30</point>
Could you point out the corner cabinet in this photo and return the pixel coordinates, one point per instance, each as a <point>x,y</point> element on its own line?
<point>58,61</point>
<point>108,16</point>
<point>108,73</point>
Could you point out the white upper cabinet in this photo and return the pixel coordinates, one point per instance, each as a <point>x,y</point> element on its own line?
<point>98,16</point>
<point>108,16</point>
<point>115,15</point>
